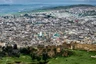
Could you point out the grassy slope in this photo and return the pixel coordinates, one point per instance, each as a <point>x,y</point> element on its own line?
<point>23,58</point>
<point>79,57</point>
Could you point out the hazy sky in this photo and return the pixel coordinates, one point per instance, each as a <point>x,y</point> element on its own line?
<point>48,1</point>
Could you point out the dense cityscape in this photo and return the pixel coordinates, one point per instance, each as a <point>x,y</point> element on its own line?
<point>57,35</point>
<point>49,28</point>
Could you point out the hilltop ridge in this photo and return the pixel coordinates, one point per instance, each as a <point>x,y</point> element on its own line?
<point>68,6</point>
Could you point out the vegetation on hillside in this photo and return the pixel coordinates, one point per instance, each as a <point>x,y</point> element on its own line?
<point>44,55</point>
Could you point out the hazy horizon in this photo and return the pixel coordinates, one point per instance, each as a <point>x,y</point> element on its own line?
<point>63,2</point>
<point>37,4</point>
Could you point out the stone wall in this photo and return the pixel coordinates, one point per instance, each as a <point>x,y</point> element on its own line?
<point>88,47</point>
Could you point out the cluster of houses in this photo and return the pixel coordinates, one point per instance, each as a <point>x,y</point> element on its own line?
<point>83,10</point>
<point>47,29</point>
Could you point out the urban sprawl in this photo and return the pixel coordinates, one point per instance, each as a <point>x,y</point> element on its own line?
<point>51,27</point>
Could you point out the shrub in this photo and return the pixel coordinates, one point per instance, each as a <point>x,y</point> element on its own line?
<point>45,56</point>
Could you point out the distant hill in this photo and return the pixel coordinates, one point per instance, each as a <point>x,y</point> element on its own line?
<point>10,4</point>
<point>65,7</point>
<point>59,7</point>
<point>71,6</point>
